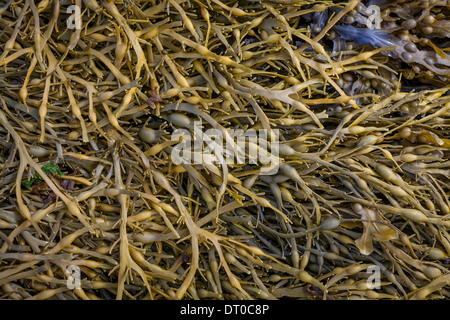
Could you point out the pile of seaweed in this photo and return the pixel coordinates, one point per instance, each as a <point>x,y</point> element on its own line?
<point>354,97</point>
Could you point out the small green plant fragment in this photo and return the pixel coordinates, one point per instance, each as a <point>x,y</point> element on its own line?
<point>49,168</point>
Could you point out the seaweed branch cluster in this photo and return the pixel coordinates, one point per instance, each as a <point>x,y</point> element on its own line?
<point>92,93</point>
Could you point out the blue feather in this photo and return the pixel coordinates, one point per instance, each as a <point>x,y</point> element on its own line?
<point>320,19</point>
<point>375,37</point>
